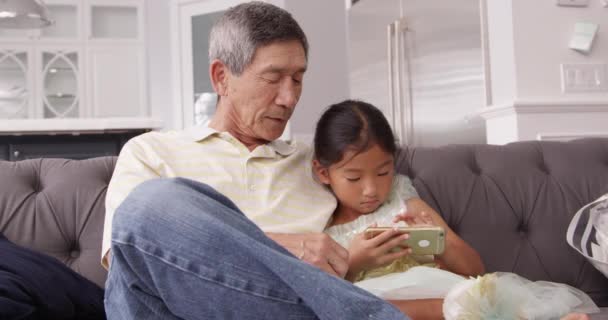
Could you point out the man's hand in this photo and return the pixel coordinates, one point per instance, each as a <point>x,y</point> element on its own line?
<point>366,254</point>
<point>317,249</point>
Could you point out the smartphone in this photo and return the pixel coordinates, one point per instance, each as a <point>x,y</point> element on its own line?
<point>422,240</point>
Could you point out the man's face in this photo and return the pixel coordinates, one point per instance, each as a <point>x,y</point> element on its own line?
<point>264,96</point>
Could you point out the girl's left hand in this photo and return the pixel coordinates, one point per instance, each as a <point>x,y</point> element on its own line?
<point>421,219</point>
<point>415,219</point>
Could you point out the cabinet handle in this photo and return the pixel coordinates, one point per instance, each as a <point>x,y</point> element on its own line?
<point>16,153</point>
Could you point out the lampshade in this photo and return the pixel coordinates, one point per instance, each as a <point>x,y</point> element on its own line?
<point>23,14</point>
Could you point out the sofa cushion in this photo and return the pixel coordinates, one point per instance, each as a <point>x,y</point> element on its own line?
<point>513,203</point>
<point>36,286</point>
<point>56,207</point>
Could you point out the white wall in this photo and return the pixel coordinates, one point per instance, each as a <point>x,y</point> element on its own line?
<point>542,32</point>
<point>326,80</point>
<point>528,43</point>
<point>158,50</point>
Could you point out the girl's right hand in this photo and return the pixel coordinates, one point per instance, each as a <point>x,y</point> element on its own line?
<point>367,254</point>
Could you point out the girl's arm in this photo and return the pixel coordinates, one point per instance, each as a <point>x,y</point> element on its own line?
<point>458,256</point>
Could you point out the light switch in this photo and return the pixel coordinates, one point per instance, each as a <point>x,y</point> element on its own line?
<point>573,3</point>
<point>584,77</point>
<point>582,38</point>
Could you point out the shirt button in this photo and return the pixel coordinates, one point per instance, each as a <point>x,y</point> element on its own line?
<point>252,187</point>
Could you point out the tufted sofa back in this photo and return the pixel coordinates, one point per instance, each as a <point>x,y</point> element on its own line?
<point>56,206</point>
<point>513,203</point>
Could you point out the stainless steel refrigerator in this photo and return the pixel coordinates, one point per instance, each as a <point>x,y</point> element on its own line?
<point>421,62</point>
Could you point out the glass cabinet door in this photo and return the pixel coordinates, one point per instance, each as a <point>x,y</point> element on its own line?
<point>204,97</point>
<point>14,88</point>
<point>193,20</point>
<point>115,20</point>
<point>66,21</point>
<point>60,84</point>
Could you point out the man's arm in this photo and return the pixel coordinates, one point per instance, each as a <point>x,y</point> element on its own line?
<point>132,168</point>
<point>458,256</point>
<point>317,249</point>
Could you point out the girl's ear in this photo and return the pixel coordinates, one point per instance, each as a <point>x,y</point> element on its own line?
<point>321,172</point>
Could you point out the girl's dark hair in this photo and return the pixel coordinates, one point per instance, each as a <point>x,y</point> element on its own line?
<point>351,125</point>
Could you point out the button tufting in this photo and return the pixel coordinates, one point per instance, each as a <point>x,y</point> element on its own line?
<point>522,230</point>
<point>74,254</point>
<point>475,169</point>
<point>543,168</point>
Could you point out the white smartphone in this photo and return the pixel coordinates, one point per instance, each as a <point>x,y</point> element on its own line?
<point>422,240</point>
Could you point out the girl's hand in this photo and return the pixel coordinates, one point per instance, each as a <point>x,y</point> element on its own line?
<point>418,219</point>
<point>366,254</point>
<point>423,219</point>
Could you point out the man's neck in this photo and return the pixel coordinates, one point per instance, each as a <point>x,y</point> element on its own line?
<point>222,122</point>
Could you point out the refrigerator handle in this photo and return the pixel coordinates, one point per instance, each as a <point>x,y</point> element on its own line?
<point>399,119</point>
<point>395,80</point>
<point>404,86</point>
<point>390,36</point>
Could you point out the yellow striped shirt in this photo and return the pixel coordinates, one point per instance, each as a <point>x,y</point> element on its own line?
<point>273,184</point>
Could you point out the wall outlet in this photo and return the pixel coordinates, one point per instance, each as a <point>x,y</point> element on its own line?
<point>584,77</point>
<point>573,3</point>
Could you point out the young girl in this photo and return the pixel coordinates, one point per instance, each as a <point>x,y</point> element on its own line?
<point>355,157</point>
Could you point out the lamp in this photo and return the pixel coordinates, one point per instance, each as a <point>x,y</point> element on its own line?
<point>24,14</point>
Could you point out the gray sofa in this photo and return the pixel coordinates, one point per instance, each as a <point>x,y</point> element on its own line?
<point>512,203</point>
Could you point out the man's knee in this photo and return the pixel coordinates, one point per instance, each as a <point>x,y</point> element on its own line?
<point>148,199</point>
<point>156,191</point>
<point>167,189</point>
<point>160,199</point>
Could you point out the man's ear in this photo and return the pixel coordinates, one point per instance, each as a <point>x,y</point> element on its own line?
<point>219,75</point>
<point>321,172</point>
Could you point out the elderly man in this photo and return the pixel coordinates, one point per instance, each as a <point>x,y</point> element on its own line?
<point>229,241</point>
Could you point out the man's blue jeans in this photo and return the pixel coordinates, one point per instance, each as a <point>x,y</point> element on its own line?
<point>181,250</point>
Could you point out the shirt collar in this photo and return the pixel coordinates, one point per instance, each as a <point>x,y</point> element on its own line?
<point>282,147</point>
<point>202,132</point>
<point>198,133</point>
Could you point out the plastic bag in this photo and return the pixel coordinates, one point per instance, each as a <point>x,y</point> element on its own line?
<point>588,233</point>
<point>509,296</point>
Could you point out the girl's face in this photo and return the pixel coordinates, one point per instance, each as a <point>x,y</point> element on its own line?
<point>361,182</point>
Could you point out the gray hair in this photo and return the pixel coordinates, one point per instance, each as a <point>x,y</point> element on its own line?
<point>244,28</point>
